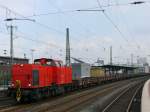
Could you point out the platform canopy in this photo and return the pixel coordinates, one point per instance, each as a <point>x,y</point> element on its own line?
<point>117,67</point>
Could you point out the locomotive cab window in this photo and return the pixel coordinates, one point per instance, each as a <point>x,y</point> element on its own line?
<point>38,63</point>
<point>35,75</point>
<point>51,63</point>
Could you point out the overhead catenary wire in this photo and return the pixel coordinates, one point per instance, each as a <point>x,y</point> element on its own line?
<point>88,8</point>
<point>50,28</point>
<point>64,12</point>
<point>111,21</point>
<point>75,21</point>
<point>115,26</point>
<point>26,17</point>
<point>70,18</point>
<point>67,11</point>
<point>26,37</point>
<point>33,40</point>
<point>117,4</point>
<point>128,30</point>
<point>36,22</point>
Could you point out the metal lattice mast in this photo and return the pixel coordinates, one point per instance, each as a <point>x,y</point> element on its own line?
<point>11,36</point>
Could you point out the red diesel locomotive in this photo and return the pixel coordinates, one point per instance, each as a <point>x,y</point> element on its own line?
<point>43,78</point>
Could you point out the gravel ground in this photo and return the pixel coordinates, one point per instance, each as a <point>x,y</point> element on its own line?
<point>101,102</point>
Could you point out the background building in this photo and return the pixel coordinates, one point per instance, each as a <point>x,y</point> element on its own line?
<point>142,61</point>
<point>6,60</point>
<point>5,75</point>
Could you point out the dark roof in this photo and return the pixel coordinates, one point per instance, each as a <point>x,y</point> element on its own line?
<point>15,58</point>
<point>44,59</point>
<point>78,60</point>
<point>116,67</point>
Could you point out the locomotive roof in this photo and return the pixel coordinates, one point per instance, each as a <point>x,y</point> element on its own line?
<point>48,59</point>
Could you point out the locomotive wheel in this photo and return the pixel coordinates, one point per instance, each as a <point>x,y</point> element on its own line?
<point>47,93</point>
<point>38,96</point>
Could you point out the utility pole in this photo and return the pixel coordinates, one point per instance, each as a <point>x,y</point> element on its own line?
<point>131,59</point>
<point>32,51</point>
<point>110,55</point>
<point>11,36</point>
<point>11,45</point>
<point>68,63</point>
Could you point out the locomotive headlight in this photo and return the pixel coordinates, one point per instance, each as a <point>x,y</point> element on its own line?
<point>12,85</point>
<point>29,85</point>
<point>21,65</point>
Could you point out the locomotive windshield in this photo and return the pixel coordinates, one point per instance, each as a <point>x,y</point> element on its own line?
<point>35,75</point>
<point>49,62</point>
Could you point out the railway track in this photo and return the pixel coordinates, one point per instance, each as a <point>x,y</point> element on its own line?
<point>123,102</point>
<point>34,107</point>
<point>135,103</point>
<point>75,105</point>
<point>6,102</point>
<point>70,103</point>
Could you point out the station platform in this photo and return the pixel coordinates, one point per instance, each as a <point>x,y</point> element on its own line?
<point>145,101</point>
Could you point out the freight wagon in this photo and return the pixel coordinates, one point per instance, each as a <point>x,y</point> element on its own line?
<point>97,71</point>
<point>80,70</point>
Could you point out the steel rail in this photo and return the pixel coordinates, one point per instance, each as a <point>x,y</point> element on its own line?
<point>118,97</point>
<point>129,106</point>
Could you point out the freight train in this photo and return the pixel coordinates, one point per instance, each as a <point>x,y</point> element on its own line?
<point>48,77</point>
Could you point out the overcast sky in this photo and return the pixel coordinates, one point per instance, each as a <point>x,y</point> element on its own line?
<point>91,33</point>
